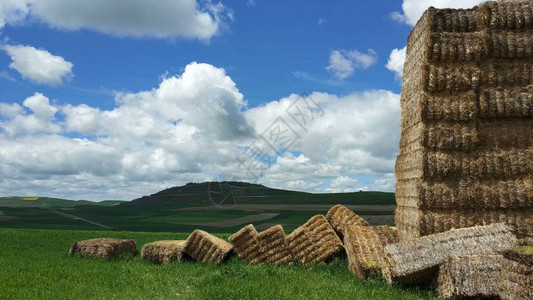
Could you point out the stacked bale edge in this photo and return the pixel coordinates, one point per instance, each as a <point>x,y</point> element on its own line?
<point>274,246</point>
<point>248,245</point>
<point>163,252</point>
<point>314,242</point>
<point>418,260</point>
<point>470,276</point>
<point>206,248</point>
<point>364,248</point>
<point>103,247</point>
<point>516,282</point>
<point>466,148</point>
<point>340,218</point>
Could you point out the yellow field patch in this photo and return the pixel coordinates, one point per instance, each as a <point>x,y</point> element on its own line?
<point>29,198</point>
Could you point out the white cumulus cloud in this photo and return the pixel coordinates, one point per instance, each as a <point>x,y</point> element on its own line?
<point>41,120</point>
<point>413,9</point>
<point>192,127</point>
<point>38,65</point>
<point>343,184</point>
<point>386,183</point>
<point>12,11</point>
<point>396,61</point>
<point>343,63</point>
<point>137,18</point>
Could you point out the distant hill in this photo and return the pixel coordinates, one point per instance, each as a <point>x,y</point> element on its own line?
<point>222,207</point>
<point>232,192</point>
<point>46,202</point>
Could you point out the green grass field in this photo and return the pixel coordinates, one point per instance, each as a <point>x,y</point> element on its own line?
<point>35,265</point>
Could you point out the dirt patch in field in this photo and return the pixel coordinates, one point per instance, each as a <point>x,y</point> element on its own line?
<point>294,207</point>
<point>379,219</point>
<point>243,220</point>
<point>8,218</point>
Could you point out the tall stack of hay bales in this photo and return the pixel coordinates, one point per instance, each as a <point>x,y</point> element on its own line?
<point>466,149</point>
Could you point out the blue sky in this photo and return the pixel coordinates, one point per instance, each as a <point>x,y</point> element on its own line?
<point>99,101</point>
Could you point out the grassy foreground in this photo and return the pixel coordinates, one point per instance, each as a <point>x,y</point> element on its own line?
<point>35,265</point>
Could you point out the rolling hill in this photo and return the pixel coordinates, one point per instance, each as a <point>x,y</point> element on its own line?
<point>214,206</point>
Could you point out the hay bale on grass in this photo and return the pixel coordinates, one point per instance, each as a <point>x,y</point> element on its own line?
<point>364,248</point>
<point>163,252</point>
<point>274,246</point>
<point>103,247</point>
<point>340,218</point>
<point>516,282</point>
<point>247,244</point>
<point>418,260</point>
<point>314,242</point>
<point>470,276</point>
<point>301,246</point>
<point>206,248</point>
<point>324,238</point>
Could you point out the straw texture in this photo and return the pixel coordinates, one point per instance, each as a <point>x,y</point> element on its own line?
<point>364,248</point>
<point>275,247</point>
<point>516,282</point>
<point>470,276</point>
<point>258,248</point>
<point>314,242</point>
<point>467,120</point>
<point>206,248</point>
<point>103,247</point>
<point>340,218</point>
<point>163,252</point>
<point>417,260</point>
<point>247,244</point>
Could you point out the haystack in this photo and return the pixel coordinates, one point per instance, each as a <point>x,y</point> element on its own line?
<point>103,247</point>
<point>274,246</point>
<point>364,248</point>
<point>418,260</point>
<point>314,242</point>
<point>163,252</point>
<point>467,121</point>
<point>340,218</point>
<point>206,248</point>
<point>470,276</point>
<point>516,282</point>
<point>248,245</point>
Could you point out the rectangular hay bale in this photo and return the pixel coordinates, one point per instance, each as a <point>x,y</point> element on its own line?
<point>274,246</point>
<point>314,242</point>
<point>470,276</point>
<point>413,222</point>
<point>461,194</point>
<point>207,248</point>
<point>418,259</point>
<point>507,15</point>
<point>301,246</point>
<point>340,218</point>
<point>364,248</point>
<point>326,241</point>
<point>163,252</point>
<point>247,244</point>
<point>103,247</point>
